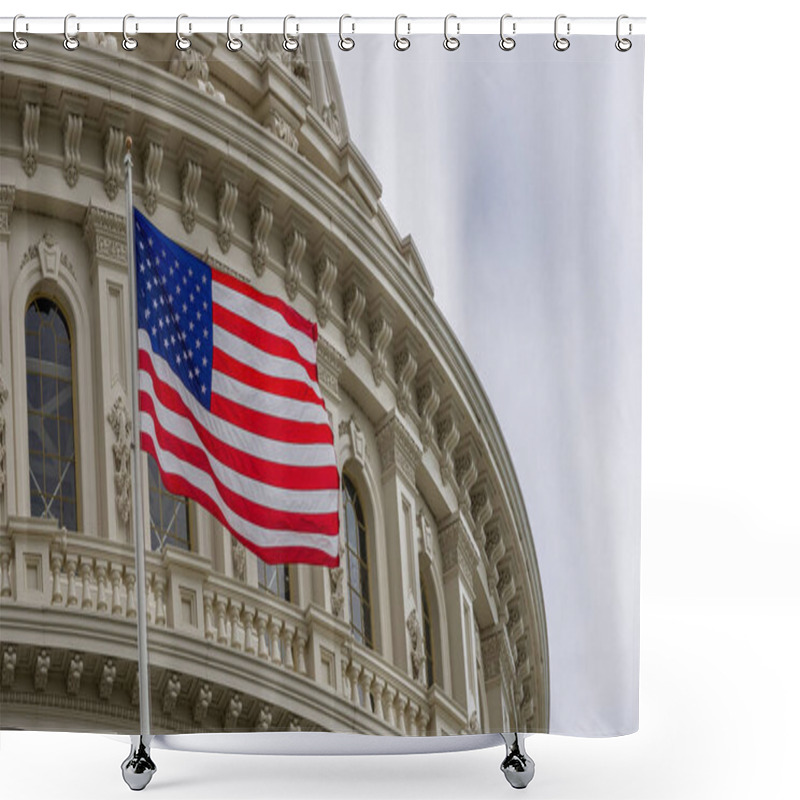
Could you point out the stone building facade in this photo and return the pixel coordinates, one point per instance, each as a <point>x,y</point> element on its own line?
<point>434,623</point>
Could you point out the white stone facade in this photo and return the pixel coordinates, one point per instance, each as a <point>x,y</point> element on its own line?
<point>244,159</point>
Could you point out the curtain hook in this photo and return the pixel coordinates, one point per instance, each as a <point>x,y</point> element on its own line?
<point>233,44</point>
<point>70,42</point>
<point>346,42</point>
<point>19,43</point>
<point>290,43</point>
<point>128,42</point>
<point>451,43</point>
<point>181,42</point>
<point>507,42</point>
<point>623,45</point>
<point>561,43</point>
<point>401,42</point>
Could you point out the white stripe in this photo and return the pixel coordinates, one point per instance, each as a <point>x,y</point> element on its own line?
<point>261,537</point>
<point>296,501</point>
<point>289,453</point>
<point>265,363</point>
<point>264,317</point>
<point>273,404</point>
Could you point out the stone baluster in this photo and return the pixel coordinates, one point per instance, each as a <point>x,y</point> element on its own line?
<point>301,640</point>
<point>287,635</point>
<point>423,718</point>
<point>263,641</point>
<point>352,677</point>
<point>274,639</point>
<point>365,683</point>
<point>400,713</point>
<point>72,588</point>
<point>378,687</point>
<point>116,592</point>
<point>208,615</point>
<point>86,583</point>
<point>56,562</point>
<point>389,696</point>
<point>160,588</point>
<point>413,713</point>
<point>250,642</point>
<point>130,597</point>
<point>101,577</point>
<point>5,580</point>
<point>222,625</point>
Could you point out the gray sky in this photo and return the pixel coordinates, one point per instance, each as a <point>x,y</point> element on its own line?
<point>519,176</point>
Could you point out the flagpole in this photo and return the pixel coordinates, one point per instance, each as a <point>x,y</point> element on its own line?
<point>138,768</point>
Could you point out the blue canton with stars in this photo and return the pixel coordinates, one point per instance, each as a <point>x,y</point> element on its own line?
<point>174,306</point>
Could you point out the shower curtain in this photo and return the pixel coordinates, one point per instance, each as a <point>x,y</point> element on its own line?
<point>416,276</point>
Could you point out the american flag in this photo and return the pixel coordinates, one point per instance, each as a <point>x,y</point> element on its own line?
<point>230,406</point>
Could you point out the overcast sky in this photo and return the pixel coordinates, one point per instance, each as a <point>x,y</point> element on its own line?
<point>519,177</point>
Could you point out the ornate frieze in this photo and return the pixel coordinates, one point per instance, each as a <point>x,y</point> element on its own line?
<point>397,449</point>
<point>294,247</point>
<point>380,335</point>
<point>325,273</point>
<point>120,421</point>
<point>405,368</point>
<point>7,194</point>
<point>30,113</point>
<point>261,218</point>
<point>458,551</point>
<point>191,66</point>
<point>105,234</point>
<point>355,302</point>
<point>330,363</point>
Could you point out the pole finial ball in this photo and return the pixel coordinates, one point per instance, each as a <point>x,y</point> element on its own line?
<point>128,143</point>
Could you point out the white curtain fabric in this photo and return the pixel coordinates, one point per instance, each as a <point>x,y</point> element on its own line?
<point>519,175</point>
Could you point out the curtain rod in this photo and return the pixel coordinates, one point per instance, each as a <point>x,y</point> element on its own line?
<point>461,26</point>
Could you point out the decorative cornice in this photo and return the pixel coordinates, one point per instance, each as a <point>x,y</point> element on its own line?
<point>398,449</point>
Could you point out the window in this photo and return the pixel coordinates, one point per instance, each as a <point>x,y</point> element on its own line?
<point>51,422</point>
<point>427,635</point>
<point>358,564</point>
<point>274,578</point>
<point>169,513</point>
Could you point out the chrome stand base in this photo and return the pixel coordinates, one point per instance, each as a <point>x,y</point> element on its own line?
<point>517,766</point>
<point>138,768</point>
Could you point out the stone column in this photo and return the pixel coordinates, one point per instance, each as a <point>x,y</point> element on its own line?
<point>7,472</point>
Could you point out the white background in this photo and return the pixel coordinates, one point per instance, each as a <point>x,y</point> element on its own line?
<point>720,700</point>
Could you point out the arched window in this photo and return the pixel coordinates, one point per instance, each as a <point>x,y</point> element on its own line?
<point>51,421</point>
<point>169,513</point>
<point>427,635</point>
<point>358,564</point>
<point>274,578</point>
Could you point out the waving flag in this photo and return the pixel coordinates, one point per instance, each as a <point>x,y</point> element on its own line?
<point>230,406</point>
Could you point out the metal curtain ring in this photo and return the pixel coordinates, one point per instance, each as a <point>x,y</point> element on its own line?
<point>346,42</point>
<point>561,43</point>
<point>233,44</point>
<point>70,42</point>
<point>128,42</point>
<point>623,45</point>
<point>401,42</point>
<point>290,43</point>
<point>181,42</point>
<point>507,42</point>
<point>451,42</point>
<point>19,43</point>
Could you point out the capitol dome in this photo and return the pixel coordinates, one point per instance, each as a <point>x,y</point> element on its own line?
<point>434,623</point>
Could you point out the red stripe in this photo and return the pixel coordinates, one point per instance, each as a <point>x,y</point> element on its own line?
<point>291,316</point>
<point>263,516</point>
<point>281,476</point>
<point>270,427</point>
<point>284,387</point>
<point>259,337</point>
<point>180,486</point>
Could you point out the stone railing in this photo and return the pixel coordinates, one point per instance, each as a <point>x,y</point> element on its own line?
<point>42,567</point>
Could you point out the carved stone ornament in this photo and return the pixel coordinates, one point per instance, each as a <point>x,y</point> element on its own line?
<point>153,157</point>
<point>398,450</point>
<point>112,160</point>
<point>457,550</point>
<point>270,46</point>
<point>279,127</point>
<point>7,194</point>
<point>380,334</point>
<point>31,114</point>
<point>73,130</point>
<point>232,712</point>
<point>358,443</point>
<point>261,220</point>
<point>172,691</point>
<point>120,421</point>
<point>74,673</point>
<point>239,560</point>
<point>264,720</point>
<point>405,365</point>
<point>294,248</point>
<point>191,66</point>
<point>448,435</point>
<point>102,41</point>
<point>466,471</point>
<point>105,234</point>
<point>326,271</point>
<point>9,666</point>
<point>355,302</point>
<point>227,196</point>
<point>330,116</point>
<point>416,648</point>
<point>428,400</point>
<point>191,175</point>
<point>107,677</point>
<point>3,398</point>
<point>329,366</point>
<point>41,670</point>
<point>337,577</point>
<point>425,533</point>
<point>202,702</point>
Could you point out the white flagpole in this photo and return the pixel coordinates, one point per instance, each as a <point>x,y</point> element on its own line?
<point>138,768</point>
